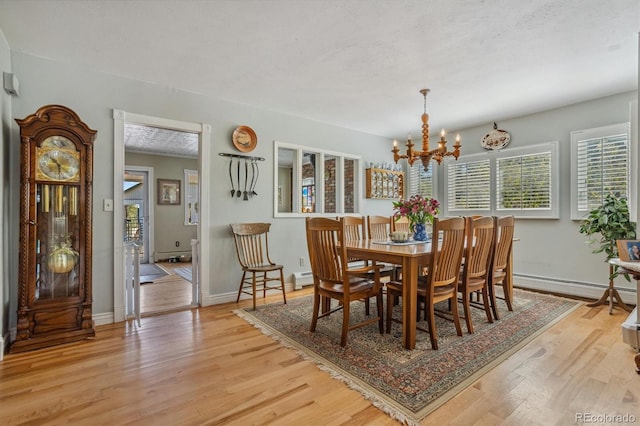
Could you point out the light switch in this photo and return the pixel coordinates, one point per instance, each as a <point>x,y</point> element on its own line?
<point>107,205</point>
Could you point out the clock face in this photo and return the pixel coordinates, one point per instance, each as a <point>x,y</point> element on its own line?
<point>57,142</point>
<point>58,164</point>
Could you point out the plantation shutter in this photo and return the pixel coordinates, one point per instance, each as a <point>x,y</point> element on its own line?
<point>469,185</point>
<point>524,182</point>
<point>421,180</point>
<point>602,168</point>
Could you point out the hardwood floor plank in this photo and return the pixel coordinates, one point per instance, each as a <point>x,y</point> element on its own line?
<point>208,366</point>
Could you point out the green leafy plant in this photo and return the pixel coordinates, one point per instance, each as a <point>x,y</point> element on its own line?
<point>608,223</point>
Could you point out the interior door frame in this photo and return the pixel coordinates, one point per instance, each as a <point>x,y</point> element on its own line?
<point>204,152</point>
<point>148,223</point>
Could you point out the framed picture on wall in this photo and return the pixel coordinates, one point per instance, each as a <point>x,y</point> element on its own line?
<point>168,191</point>
<point>629,250</point>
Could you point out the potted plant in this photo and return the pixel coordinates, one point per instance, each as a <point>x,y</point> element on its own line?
<point>603,226</point>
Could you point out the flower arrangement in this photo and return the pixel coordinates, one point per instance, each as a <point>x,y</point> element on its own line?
<point>417,209</point>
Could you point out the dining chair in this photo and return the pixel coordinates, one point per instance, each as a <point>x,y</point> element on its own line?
<point>333,279</point>
<point>399,224</point>
<point>378,229</point>
<point>252,248</point>
<point>354,230</point>
<point>476,266</point>
<point>503,242</point>
<point>441,282</point>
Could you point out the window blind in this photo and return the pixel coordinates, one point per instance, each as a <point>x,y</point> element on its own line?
<point>602,167</point>
<point>524,182</point>
<point>421,180</point>
<point>469,185</point>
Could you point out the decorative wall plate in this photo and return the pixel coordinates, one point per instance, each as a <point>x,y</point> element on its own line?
<point>496,138</point>
<point>244,139</point>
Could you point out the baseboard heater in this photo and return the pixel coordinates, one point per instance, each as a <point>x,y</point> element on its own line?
<point>301,279</point>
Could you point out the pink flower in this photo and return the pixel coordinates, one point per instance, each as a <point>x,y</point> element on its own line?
<point>417,209</point>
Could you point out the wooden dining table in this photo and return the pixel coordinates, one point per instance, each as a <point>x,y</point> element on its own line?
<point>411,257</point>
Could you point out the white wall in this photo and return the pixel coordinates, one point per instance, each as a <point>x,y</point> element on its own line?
<point>5,126</point>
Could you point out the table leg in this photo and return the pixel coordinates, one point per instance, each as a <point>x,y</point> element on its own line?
<point>508,281</point>
<point>409,301</point>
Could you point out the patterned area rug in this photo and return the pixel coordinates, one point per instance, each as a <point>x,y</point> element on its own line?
<point>409,384</point>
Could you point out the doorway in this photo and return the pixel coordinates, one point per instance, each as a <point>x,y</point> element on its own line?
<point>201,275</point>
<point>138,223</point>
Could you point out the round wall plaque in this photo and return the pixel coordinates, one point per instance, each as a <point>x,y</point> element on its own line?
<point>244,139</point>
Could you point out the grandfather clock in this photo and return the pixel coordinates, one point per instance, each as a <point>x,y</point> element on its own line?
<point>54,287</point>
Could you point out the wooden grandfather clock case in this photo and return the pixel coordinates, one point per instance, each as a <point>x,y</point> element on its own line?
<point>54,287</point>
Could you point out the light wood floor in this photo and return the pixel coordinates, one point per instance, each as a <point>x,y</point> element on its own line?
<point>207,366</point>
<point>166,294</point>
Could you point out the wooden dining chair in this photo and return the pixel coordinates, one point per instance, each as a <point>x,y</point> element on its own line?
<point>333,279</point>
<point>399,224</point>
<point>503,242</point>
<point>477,265</point>
<point>378,228</point>
<point>354,230</point>
<point>252,248</point>
<point>441,283</point>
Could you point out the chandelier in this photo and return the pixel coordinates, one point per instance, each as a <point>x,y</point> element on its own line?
<point>426,154</point>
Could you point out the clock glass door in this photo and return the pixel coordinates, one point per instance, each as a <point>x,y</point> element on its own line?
<point>57,236</point>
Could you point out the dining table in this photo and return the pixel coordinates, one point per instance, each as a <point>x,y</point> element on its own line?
<point>412,256</point>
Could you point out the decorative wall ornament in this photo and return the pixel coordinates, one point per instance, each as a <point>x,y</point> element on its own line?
<point>244,139</point>
<point>496,138</point>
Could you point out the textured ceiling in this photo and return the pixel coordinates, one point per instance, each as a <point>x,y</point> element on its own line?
<point>358,64</point>
<point>151,140</point>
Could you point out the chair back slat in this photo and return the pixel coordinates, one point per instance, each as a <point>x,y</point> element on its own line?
<point>399,224</point>
<point>353,227</point>
<point>504,229</point>
<point>252,245</point>
<point>446,251</point>
<point>478,247</point>
<point>353,230</point>
<point>378,227</point>
<point>326,248</point>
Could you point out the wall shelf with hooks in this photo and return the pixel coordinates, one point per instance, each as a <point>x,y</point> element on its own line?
<point>248,157</point>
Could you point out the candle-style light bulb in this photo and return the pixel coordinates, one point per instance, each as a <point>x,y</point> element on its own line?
<point>458,137</point>
<point>442,133</point>
<point>395,143</point>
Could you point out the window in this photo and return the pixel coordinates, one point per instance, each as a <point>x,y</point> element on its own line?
<point>599,165</point>
<point>524,182</point>
<point>468,186</point>
<point>422,181</point>
<point>310,181</point>
<point>519,181</point>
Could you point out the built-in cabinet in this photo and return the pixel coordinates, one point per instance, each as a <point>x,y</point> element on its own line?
<point>384,184</point>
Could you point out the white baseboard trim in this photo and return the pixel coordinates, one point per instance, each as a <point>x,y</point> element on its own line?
<point>571,288</point>
<point>102,319</point>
